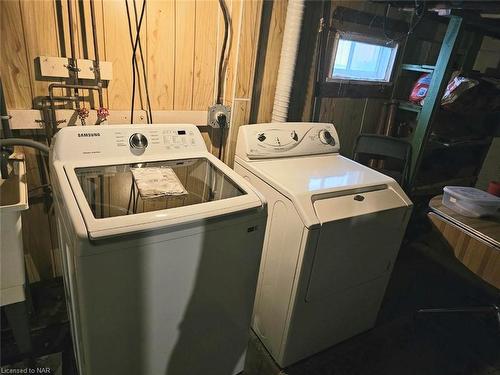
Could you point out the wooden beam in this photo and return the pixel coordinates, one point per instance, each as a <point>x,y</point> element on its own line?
<point>344,14</point>
<point>352,90</point>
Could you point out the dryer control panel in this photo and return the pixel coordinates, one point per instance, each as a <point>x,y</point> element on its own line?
<point>122,140</point>
<point>286,139</point>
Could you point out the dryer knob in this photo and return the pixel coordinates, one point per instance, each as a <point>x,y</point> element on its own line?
<point>326,137</point>
<point>138,141</point>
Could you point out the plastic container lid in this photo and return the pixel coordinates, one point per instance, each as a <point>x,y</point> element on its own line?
<point>473,195</point>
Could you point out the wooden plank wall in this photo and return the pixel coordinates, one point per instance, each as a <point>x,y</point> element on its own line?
<point>181,42</point>
<point>350,116</point>
<point>269,60</point>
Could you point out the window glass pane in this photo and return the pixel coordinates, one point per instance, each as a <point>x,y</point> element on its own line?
<point>363,60</point>
<point>342,56</point>
<point>365,57</point>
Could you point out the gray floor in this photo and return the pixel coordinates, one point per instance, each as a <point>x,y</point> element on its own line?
<point>404,342</point>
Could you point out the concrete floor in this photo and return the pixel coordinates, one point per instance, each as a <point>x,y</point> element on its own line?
<point>402,343</point>
<point>435,348</point>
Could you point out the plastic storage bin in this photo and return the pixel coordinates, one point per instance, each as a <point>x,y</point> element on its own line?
<point>471,202</point>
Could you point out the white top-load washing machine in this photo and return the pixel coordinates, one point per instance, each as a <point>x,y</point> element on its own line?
<point>163,285</point>
<point>333,233</point>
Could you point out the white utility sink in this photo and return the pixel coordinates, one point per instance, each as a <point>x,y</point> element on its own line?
<point>13,200</point>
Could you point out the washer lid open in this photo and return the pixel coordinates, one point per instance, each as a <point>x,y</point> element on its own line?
<point>111,204</point>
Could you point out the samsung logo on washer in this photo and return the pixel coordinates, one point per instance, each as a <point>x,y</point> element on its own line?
<point>89,134</point>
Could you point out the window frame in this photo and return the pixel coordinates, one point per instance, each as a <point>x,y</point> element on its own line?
<point>357,37</point>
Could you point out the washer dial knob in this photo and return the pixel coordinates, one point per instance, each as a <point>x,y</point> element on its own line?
<point>138,141</point>
<point>326,137</point>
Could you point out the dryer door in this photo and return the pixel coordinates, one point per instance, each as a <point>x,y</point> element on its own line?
<point>359,240</point>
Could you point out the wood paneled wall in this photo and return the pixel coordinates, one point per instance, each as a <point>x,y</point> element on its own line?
<point>180,39</point>
<point>181,42</point>
<point>350,116</point>
<point>273,25</point>
<point>353,116</point>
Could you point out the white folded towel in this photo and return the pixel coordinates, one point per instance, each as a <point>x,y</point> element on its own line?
<point>157,182</point>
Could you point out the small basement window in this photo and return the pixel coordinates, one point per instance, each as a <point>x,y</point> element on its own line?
<point>362,58</point>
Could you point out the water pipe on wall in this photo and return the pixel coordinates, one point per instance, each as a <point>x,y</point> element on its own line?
<point>97,68</point>
<point>72,66</point>
<point>288,59</point>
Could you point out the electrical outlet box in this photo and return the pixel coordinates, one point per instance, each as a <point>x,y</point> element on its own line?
<point>53,66</point>
<point>215,111</point>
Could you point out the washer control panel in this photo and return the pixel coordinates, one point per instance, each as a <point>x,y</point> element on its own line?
<point>138,141</point>
<point>170,139</point>
<point>123,140</point>
<point>286,139</point>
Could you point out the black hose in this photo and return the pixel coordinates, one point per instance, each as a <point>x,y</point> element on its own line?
<point>221,144</point>
<point>148,101</point>
<point>134,59</point>
<point>136,69</point>
<point>221,71</point>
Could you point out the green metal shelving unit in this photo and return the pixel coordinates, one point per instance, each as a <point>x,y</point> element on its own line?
<point>441,74</point>
<point>426,116</point>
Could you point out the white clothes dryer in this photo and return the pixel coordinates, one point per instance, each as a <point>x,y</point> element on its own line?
<point>334,230</point>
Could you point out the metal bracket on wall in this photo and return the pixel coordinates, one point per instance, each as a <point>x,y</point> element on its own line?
<point>60,67</point>
<point>214,114</point>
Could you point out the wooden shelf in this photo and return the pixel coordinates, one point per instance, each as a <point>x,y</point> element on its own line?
<point>440,145</point>
<point>437,187</point>
<point>418,68</point>
<point>407,106</point>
